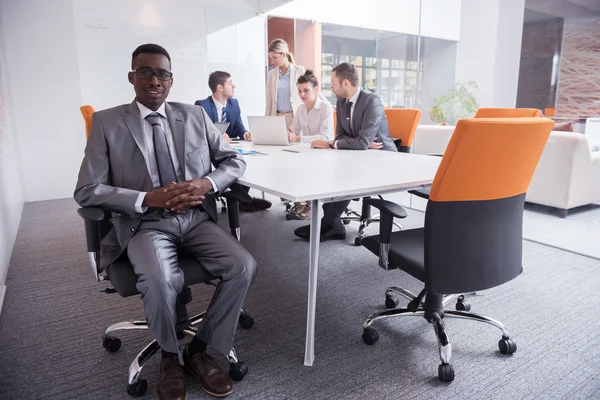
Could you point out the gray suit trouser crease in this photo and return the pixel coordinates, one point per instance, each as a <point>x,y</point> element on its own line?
<point>153,253</point>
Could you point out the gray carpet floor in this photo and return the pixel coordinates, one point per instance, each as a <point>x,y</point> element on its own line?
<point>579,232</point>
<point>54,314</point>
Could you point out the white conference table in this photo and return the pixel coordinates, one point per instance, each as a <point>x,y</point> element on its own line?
<point>322,176</point>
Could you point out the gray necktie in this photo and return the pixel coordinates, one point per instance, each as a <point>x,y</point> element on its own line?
<point>166,171</point>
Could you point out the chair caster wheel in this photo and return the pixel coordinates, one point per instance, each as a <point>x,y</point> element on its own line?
<point>461,304</point>
<point>246,320</point>
<point>111,344</point>
<point>346,221</point>
<point>238,370</point>
<point>289,216</point>
<point>391,301</point>
<point>446,372</point>
<point>358,241</point>
<point>507,346</point>
<point>138,388</point>
<point>370,336</point>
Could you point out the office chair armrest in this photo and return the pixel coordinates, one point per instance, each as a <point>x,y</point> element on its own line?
<point>92,217</point>
<point>236,192</point>
<point>386,206</point>
<point>422,193</point>
<point>96,224</point>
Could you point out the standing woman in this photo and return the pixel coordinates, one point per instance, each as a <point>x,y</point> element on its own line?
<point>282,96</point>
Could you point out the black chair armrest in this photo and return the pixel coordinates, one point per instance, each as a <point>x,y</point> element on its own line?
<point>386,206</point>
<point>236,192</point>
<point>388,211</point>
<point>422,193</point>
<point>94,220</point>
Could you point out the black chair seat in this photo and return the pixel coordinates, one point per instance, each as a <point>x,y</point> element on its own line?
<point>121,275</point>
<point>407,250</point>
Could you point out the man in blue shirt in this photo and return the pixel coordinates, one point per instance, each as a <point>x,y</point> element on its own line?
<point>222,107</point>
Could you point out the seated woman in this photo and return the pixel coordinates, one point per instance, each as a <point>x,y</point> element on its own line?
<point>314,118</point>
<point>312,121</point>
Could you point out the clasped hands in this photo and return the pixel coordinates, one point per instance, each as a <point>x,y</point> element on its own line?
<point>179,196</point>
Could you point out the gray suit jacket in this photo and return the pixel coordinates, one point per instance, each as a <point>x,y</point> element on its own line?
<point>369,122</point>
<point>114,170</point>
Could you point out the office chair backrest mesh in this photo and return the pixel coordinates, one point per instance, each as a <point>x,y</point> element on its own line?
<point>474,218</point>
<point>402,123</point>
<point>507,113</point>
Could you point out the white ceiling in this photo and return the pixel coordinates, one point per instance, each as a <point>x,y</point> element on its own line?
<point>560,8</point>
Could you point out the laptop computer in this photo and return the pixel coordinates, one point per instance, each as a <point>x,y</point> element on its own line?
<point>269,130</point>
<point>222,126</point>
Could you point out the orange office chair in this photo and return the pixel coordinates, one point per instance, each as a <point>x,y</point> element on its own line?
<point>472,238</point>
<point>490,113</point>
<point>507,112</point>
<point>402,123</point>
<point>87,111</point>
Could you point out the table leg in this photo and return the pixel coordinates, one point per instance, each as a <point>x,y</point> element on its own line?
<point>313,269</point>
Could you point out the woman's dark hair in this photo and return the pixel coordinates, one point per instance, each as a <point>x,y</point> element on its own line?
<point>309,77</point>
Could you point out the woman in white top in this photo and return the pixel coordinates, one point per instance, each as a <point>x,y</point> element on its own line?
<point>312,121</point>
<point>282,98</point>
<point>314,118</point>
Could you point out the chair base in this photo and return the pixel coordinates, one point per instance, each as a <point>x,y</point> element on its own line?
<point>137,386</point>
<point>445,369</point>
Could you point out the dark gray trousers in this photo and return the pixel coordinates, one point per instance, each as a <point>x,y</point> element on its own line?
<point>153,253</point>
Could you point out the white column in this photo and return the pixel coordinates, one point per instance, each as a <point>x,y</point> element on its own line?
<point>489,49</point>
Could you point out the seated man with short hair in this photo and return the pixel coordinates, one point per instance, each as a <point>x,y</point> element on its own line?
<point>135,166</point>
<point>222,107</point>
<point>361,125</point>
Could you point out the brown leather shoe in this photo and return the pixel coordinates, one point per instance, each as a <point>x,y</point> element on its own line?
<point>212,378</point>
<point>171,383</point>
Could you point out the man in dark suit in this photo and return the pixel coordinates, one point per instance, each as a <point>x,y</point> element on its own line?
<point>222,107</point>
<point>361,125</point>
<point>150,164</point>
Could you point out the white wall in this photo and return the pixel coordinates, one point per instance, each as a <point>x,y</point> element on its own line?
<point>11,185</point>
<point>45,97</point>
<point>489,49</point>
<point>80,53</point>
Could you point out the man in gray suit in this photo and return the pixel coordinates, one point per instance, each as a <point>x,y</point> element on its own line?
<point>361,125</point>
<point>149,163</point>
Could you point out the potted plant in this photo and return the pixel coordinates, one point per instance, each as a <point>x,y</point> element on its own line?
<point>454,104</point>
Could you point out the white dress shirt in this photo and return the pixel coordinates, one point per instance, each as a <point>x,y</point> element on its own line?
<point>220,108</point>
<point>151,156</point>
<point>316,124</point>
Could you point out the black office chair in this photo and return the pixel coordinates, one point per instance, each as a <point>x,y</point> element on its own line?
<point>122,277</point>
<point>472,238</point>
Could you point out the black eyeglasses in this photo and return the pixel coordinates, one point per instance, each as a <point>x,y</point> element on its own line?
<point>148,74</point>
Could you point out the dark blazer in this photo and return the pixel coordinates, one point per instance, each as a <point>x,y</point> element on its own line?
<point>369,122</point>
<point>114,170</point>
<point>234,116</point>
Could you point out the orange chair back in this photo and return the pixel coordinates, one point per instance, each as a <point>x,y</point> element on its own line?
<point>87,111</point>
<point>334,122</point>
<point>507,113</point>
<point>549,112</point>
<point>402,123</point>
<point>490,158</point>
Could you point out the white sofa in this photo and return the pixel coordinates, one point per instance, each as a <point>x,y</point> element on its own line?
<point>567,175</point>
